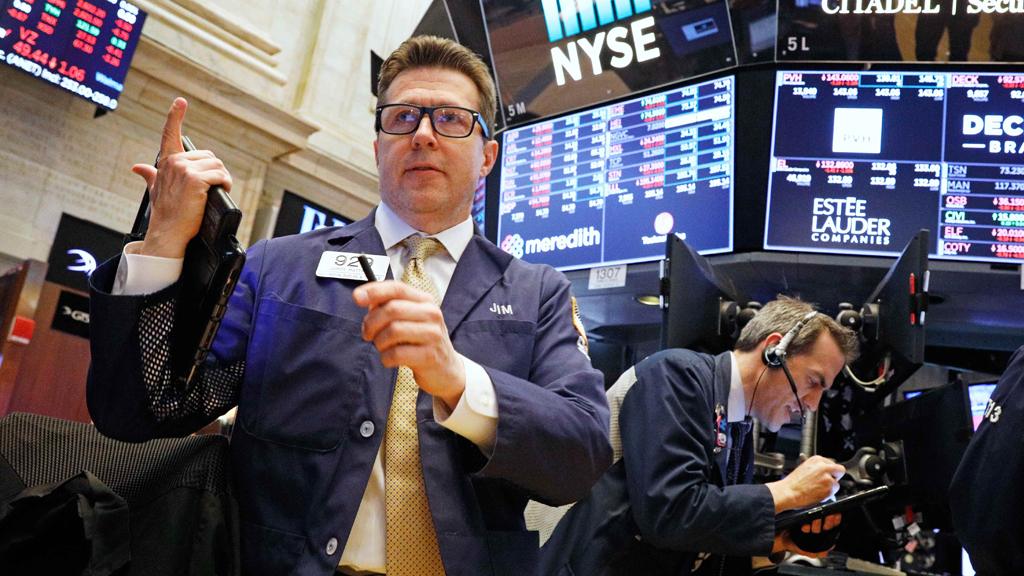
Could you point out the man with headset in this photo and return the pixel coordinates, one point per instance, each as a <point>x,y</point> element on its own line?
<point>681,489</point>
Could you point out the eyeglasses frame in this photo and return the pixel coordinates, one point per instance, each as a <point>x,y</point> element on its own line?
<point>428,111</point>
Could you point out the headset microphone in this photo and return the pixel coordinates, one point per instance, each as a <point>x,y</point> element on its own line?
<point>775,357</point>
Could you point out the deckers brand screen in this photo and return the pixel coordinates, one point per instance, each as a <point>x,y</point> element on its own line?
<point>861,161</point>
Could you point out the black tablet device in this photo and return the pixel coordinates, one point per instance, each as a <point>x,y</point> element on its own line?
<point>791,518</point>
<point>213,262</point>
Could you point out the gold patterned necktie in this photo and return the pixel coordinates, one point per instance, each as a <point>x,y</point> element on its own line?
<point>412,548</point>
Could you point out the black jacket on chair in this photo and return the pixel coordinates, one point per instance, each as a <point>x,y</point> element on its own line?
<point>181,517</point>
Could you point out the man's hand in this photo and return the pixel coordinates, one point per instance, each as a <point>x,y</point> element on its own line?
<point>177,189</point>
<point>408,329</point>
<point>810,483</point>
<point>784,543</point>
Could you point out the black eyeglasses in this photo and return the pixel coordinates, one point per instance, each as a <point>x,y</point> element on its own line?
<point>449,121</point>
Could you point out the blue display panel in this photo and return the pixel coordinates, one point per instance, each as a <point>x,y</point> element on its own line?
<point>84,47</point>
<point>608,185</point>
<point>862,160</point>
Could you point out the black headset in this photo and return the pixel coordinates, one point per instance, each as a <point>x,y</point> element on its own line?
<point>775,357</point>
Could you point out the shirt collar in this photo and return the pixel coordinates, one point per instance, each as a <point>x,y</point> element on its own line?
<point>737,408</point>
<point>393,230</point>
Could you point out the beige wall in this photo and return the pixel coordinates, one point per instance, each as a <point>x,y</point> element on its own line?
<point>279,89</point>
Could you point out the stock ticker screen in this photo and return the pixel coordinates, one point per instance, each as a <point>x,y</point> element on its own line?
<point>862,160</point>
<point>607,186</point>
<point>81,46</point>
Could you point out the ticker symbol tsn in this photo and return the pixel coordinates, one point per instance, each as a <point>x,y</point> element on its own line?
<point>86,262</point>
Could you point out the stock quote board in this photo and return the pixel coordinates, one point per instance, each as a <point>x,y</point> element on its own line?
<point>862,160</point>
<point>84,47</point>
<point>607,186</point>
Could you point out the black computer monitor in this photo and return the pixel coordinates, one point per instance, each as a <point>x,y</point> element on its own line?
<point>894,318</point>
<point>699,305</point>
<point>978,394</point>
<point>934,429</point>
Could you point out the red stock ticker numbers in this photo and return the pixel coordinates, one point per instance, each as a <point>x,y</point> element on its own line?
<point>82,46</point>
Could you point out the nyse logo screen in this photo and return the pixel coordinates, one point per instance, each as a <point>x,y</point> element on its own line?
<point>861,161</point>
<point>551,56</point>
<point>607,186</point>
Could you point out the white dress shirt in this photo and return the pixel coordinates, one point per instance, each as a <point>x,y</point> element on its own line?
<point>737,406</point>
<point>475,417</point>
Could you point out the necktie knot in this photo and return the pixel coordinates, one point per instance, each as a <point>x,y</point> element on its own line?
<point>420,247</point>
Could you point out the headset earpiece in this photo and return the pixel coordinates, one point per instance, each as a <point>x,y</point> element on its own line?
<point>775,355</point>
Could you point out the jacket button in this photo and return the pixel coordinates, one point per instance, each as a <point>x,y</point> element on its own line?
<point>366,429</point>
<point>332,546</point>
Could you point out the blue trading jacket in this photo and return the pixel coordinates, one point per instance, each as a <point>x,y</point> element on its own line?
<point>313,400</point>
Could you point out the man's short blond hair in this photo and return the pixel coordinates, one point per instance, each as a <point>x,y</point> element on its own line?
<point>782,314</point>
<point>435,52</point>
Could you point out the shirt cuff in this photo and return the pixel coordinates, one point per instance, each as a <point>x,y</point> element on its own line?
<point>140,274</point>
<point>475,417</point>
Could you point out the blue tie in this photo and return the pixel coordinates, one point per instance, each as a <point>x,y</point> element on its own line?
<point>737,434</point>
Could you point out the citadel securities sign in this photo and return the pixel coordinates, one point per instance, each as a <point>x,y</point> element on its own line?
<point>919,7</point>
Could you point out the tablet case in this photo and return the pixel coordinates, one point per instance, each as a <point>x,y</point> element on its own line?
<point>791,518</point>
<point>213,262</point>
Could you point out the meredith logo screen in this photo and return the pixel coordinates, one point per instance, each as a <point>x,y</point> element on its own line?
<point>607,186</point>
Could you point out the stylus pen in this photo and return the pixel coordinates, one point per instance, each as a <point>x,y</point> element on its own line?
<point>364,262</point>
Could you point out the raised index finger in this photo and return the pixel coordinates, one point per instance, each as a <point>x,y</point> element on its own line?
<point>170,141</point>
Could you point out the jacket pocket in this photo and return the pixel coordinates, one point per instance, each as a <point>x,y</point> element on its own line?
<point>304,375</point>
<point>505,345</point>
<point>268,551</point>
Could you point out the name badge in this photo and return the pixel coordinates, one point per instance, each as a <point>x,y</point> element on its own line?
<point>345,265</point>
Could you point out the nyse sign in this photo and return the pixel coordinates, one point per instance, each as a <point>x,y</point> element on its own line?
<point>567,18</point>
<point>568,62</point>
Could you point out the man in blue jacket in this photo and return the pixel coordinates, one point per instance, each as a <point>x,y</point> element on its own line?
<point>392,427</point>
<point>985,496</point>
<point>682,490</point>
